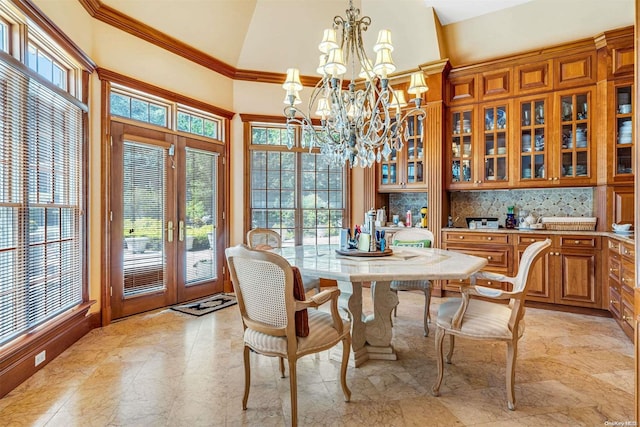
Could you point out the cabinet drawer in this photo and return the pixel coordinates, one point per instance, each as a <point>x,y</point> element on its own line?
<point>527,239</point>
<point>493,238</point>
<point>628,251</point>
<point>627,274</point>
<point>627,316</point>
<point>614,301</point>
<point>614,268</point>
<point>579,242</point>
<point>454,285</point>
<point>614,245</point>
<point>626,295</point>
<point>499,259</point>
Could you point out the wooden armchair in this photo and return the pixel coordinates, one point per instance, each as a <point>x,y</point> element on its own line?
<point>488,320</point>
<point>265,239</point>
<point>264,286</point>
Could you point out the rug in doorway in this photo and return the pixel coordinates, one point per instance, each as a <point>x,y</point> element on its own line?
<point>207,305</point>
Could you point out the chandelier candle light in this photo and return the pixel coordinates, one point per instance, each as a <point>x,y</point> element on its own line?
<point>357,126</point>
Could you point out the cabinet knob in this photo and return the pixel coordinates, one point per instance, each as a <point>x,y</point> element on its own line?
<point>461,237</point>
<point>532,240</point>
<point>489,257</point>
<point>624,280</point>
<point>626,252</point>
<point>613,269</point>
<point>489,283</point>
<point>550,178</point>
<point>489,238</point>
<point>557,254</point>
<point>611,302</point>
<point>577,242</point>
<point>626,318</point>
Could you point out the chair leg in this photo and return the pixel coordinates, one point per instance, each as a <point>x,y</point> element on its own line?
<point>512,353</point>
<point>435,390</point>
<point>293,388</point>
<point>281,367</point>
<point>427,302</point>
<point>247,376</point>
<point>346,348</point>
<point>452,342</point>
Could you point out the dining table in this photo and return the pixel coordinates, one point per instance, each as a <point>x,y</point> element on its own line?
<point>371,333</point>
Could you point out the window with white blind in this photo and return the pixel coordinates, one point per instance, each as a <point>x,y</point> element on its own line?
<point>41,200</point>
<point>299,194</point>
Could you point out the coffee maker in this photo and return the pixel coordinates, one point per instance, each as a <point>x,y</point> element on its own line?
<point>423,217</point>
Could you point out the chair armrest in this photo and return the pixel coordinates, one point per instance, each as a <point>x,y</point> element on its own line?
<point>488,275</point>
<point>483,291</point>
<point>321,298</point>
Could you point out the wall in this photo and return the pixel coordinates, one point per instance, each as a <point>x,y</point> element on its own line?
<point>547,202</point>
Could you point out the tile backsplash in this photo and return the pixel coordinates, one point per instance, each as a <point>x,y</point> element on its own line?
<point>400,203</point>
<point>547,202</point>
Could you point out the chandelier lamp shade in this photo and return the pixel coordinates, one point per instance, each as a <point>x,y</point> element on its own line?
<point>363,121</point>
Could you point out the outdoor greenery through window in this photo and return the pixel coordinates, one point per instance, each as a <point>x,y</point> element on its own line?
<point>294,192</point>
<point>197,124</point>
<point>138,108</point>
<point>145,108</point>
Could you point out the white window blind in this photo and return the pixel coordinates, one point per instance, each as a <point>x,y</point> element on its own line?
<point>41,181</point>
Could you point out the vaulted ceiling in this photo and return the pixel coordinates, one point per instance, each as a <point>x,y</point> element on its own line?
<point>271,35</point>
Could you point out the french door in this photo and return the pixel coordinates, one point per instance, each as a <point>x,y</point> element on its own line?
<point>165,245</point>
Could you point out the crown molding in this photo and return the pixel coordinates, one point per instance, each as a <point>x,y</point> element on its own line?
<point>35,14</point>
<point>123,22</point>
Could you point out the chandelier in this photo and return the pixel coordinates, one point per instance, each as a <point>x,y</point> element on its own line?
<point>360,122</point>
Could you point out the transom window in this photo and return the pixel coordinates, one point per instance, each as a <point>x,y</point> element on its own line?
<point>47,66</point>
<point>142,107</point>
<point>4,36</point>
<point>299,194</point>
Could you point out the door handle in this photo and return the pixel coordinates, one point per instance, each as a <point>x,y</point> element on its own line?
<point>169,231</point>
<point>181,231</point>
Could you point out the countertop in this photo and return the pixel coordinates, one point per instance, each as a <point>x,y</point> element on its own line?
<point>622,237</point>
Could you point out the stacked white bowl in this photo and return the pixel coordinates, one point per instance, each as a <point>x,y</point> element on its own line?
<point>624,133</point>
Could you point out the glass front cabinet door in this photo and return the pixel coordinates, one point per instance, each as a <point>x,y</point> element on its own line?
<point>623,128</point>
<point>532,150</point>
<point>494,158</point>
<point>574,143</point>
<point>414,153</point>
<point>461,148</point>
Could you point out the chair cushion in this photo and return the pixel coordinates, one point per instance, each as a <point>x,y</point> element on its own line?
<point>483,319</point>
<point>425,243</point>
<point>322,334</point>
<point>302,316</point>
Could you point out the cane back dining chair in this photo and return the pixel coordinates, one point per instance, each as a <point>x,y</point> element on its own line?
<point>264,286</point>
<point>478,319</point>
<point>414,237</point>
<point>265,239</point>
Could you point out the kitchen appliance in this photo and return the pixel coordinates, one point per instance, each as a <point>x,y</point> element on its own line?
<point>483,222</point>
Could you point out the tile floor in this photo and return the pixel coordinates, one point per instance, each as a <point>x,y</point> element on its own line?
<point>166,368</point>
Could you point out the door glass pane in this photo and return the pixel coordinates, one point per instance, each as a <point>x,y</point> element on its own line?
<point>144,190</point>
<point>201,219</point>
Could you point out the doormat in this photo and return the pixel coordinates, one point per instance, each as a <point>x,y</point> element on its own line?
<point>207,305</point>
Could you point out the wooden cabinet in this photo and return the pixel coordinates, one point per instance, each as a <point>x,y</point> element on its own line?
<point>460,153</point>
<point>405,168</point>
<point>569,273</point>
<point>621,127</point>
<point>495,247</point>
<point>573,160</point>
<point>494,145</point>
<point>623,205</point>
<point>531,147</point>
<point>620,283</point>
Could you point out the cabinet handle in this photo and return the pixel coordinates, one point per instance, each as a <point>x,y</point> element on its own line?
<point>577,242</point>
<point>489,238</point>
<point>550,179</point>
<point>626,252</point>
<point>489,257</point>
<point>557,254</point>
<point>489,283</point>
<point>626,318</point>
<point>624,280</point>
<point>613,269</point>
<point>532,240</point>
<point>461,237</point>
